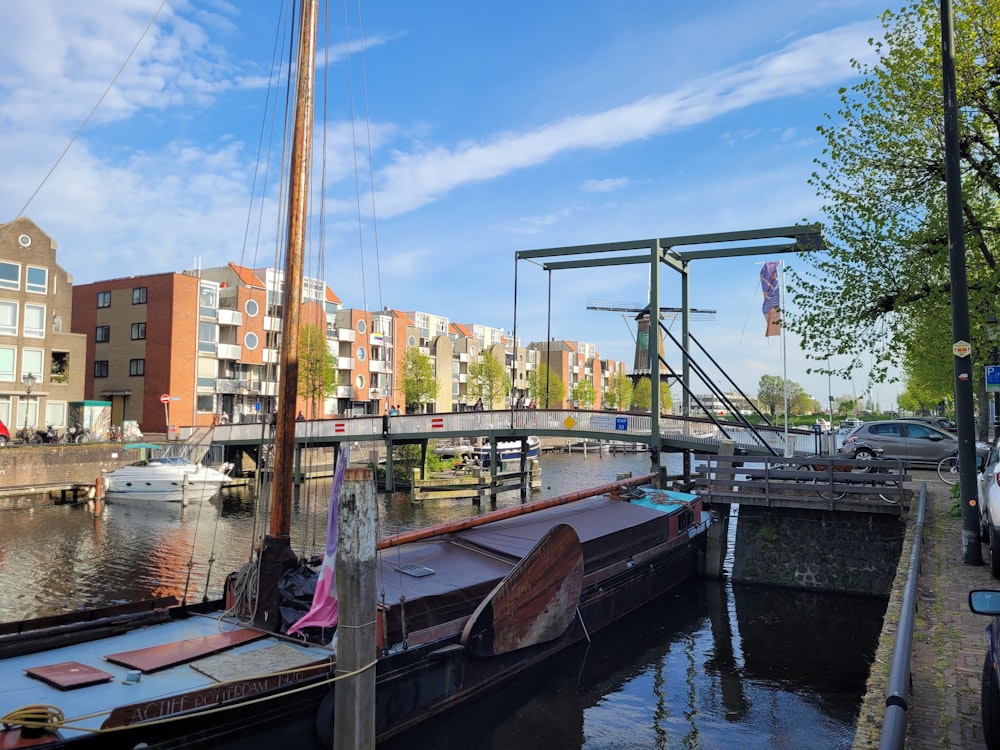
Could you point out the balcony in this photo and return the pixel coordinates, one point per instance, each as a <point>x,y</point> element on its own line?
<point>271,323</point>
<point>378,365</point>
<point>345,363</point>
<point>463,357</point>
<point>228,351</point>
<point>230,317</point>
<point>345,391</point>
<point>229,385</point>
<point>345,334</point>
<point>271,356</point>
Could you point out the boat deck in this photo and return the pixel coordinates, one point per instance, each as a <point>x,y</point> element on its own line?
<point>86,680</point>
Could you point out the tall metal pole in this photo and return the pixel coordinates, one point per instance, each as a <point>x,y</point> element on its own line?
<point>972,552</point>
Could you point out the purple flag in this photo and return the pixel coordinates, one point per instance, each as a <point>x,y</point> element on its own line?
<point>325,610</point>
<point>772,297</point>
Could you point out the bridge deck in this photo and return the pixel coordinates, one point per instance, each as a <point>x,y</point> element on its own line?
<point>676,432</point>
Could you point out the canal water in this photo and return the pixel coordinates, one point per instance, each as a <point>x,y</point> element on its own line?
<point>712,664</point>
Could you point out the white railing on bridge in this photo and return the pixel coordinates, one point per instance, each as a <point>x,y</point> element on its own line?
<point>605,425</point>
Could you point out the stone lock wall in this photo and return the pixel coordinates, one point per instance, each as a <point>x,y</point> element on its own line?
<point>842,551</point>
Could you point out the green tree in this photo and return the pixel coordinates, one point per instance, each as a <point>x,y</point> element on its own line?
<point>489,380</point>
<point>546,387</point>
<point>666,398</point>
<point>583,394</point>
<point>419,384</point>
<point>771,393</point>
<point>619,394</point>
<point>884,285</point>
<point>317,369</point>
<point>642,395</point>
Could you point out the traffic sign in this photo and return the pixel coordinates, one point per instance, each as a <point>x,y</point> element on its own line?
<point>961,349</point>
<point>993,378</point>
<point>165,398</point>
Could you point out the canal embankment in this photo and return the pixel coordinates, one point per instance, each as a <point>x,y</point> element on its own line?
<point>949,643</point>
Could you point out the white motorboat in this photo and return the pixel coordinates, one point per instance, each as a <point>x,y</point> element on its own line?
<point>164,479</point>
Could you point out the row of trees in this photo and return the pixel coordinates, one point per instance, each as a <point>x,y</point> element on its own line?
<point>489,380</point>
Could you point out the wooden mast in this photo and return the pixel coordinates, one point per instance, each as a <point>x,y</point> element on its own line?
<point>276,553</point>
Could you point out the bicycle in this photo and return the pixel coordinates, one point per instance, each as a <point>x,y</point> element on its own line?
<point>827,486</point>
<point>947,470</point>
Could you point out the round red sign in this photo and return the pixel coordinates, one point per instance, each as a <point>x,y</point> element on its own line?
<point>165,398</point>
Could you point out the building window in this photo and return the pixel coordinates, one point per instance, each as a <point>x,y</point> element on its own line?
<point>8,318</point>
<point>101,368</point>
<point>139,295</point>
<point>252,308</point>
<point>104,299</point>
<point>250,341</point>
<point>10,275</point>
<point>34,321</point>
<point>31,361</point>
<point>362,326</point>
<point>8,355</point>
<point>137,367</point>
<point>208,336</point>
<point>138,331</point>
<point>361,354</point>
<point>360,381</point>
<point>37,280</point>
<point>103,334</point>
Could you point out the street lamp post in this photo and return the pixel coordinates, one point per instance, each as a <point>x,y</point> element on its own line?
<point>992,332</point>
<point>29,381</point>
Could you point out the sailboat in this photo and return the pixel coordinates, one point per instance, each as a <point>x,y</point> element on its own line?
<point>459,608</point>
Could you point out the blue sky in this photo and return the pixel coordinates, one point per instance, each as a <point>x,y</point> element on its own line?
<point>488,127</point>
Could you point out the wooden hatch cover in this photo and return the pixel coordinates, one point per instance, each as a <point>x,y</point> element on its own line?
<point>68,675</point>
<point>171,654</point>
<point>536,601</point>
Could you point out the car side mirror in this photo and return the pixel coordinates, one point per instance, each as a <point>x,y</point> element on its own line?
<point>984,601</point>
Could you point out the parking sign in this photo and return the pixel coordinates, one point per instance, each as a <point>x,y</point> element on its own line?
<point>993,378</point>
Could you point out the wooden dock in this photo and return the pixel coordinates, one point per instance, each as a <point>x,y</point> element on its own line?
<point>476,483</point>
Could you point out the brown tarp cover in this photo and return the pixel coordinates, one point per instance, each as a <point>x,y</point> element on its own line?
<point>467,565</point>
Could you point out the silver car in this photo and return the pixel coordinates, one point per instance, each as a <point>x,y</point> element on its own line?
<point>989,505</point>
<point>914,443</point>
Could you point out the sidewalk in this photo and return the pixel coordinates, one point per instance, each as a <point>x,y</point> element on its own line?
<point>949,643</point>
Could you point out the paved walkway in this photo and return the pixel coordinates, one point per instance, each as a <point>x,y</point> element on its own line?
<point>949,641</point>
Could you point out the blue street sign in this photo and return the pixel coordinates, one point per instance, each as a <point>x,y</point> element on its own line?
<point>621,424</point>
<point>256,406</point>
<point>993,378</point>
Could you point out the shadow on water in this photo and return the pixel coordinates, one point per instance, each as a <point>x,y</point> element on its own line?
<point>708,665</point>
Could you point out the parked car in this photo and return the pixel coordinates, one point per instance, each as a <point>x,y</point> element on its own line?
<point>989,505</point>
<point>987,602</point>
<point>913,443</point>
<point>4,435</point>
<point>942,423</point>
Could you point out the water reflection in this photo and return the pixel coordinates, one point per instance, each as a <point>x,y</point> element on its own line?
<point>709,665</point>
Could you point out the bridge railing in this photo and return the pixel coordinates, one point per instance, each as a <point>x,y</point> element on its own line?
<point>605,425</point>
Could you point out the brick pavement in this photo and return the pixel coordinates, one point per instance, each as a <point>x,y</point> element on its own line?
<point>949,642</point>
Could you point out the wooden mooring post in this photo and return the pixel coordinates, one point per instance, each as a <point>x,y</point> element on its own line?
<point>354,698</point>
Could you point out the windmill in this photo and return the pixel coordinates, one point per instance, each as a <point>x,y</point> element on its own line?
<point>640,366</point>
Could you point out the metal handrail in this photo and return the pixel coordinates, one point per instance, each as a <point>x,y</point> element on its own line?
<point>893,735</point>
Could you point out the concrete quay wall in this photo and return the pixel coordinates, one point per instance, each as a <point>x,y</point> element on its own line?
<point>29,472</point>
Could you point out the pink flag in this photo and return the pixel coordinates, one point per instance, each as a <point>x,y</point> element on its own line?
<point>772,298</point>
<point>325,610</point>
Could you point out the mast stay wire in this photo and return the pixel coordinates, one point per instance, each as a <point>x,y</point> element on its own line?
<point>87,119</point>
